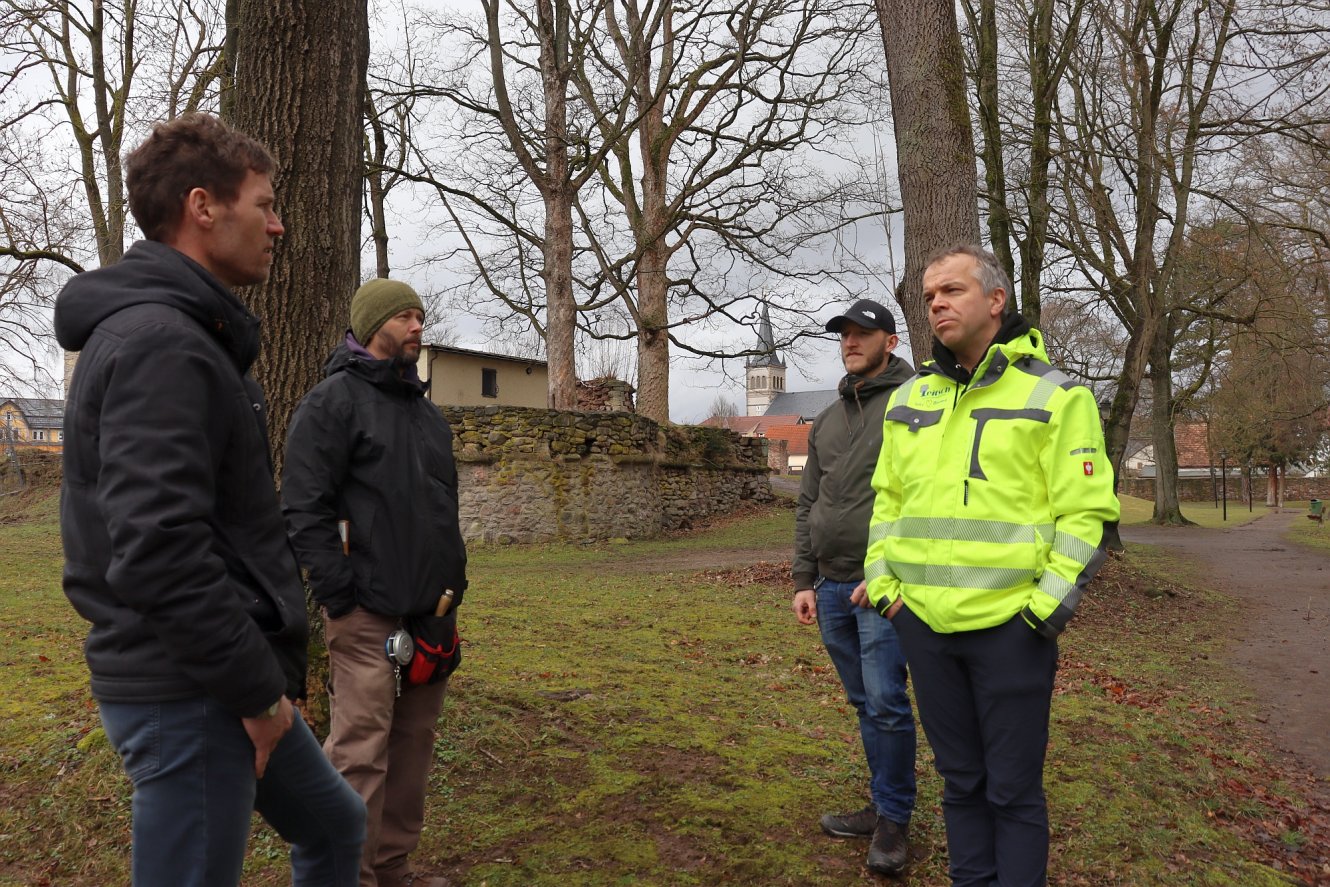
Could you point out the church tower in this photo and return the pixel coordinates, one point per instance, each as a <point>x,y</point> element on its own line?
<point>765,371</point>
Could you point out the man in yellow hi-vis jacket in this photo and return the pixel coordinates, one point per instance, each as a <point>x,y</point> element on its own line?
<point>992,490</point>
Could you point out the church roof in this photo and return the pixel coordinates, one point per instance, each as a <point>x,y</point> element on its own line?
<point>805,404</point>
<point>766,344</point>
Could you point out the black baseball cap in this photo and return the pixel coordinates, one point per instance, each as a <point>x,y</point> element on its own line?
<point>867,314</point>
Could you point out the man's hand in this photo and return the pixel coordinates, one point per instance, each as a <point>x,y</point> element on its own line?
<point>265,733</point>
<point>859,597</point>
<point>805,606</point>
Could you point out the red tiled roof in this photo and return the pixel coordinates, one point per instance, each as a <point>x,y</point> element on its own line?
<point>1193,447</point>
<point>750,426</point>
<point>795,435</point>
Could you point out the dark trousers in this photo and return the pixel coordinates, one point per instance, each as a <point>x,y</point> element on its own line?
<point>984,700</point>
<point>192,765</point>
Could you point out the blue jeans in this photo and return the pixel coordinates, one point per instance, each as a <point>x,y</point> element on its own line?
<point>871,665</point>
<point>192,766</point>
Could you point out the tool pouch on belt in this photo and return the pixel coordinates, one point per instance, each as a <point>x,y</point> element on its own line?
<point>438,651</point>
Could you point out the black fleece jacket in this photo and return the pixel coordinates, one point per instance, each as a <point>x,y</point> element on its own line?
<point>836,492</point>
<point>174,545</point>
<point>366,447</point>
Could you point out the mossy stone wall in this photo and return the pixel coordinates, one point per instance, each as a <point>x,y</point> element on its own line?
<point>530,475</point>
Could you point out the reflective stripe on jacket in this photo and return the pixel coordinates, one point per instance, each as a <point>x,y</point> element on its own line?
<point>992,496</point>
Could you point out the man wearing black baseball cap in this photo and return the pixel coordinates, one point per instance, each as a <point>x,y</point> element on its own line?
<point>869,315</point>
<point>830,540</point>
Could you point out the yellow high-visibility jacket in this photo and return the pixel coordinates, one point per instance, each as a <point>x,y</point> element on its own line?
<point>991,496</point>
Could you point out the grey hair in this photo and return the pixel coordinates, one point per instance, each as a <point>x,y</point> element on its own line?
<point>987,269</point>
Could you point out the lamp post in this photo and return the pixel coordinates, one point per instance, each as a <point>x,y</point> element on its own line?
<point>1223,474</point>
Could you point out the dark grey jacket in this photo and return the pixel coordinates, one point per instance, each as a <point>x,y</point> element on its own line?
<point>174,549</point>
<point>836,493</point>
<point>366,446</point>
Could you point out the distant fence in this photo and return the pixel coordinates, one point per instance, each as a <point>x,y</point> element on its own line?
<point>1202,489</point>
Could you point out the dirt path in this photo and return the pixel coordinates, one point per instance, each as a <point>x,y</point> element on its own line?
<point>1280,635</point>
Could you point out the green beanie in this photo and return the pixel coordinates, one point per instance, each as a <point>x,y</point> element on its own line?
<point>376,302</point>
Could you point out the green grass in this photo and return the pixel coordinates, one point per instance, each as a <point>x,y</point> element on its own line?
<point>619,721</point>
<point>1205,514</point>
<point>1308,532</point>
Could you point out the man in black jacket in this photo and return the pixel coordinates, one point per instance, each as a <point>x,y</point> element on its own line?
<point>172,534</point>
<point>369,490</point>
<point>831,539</point>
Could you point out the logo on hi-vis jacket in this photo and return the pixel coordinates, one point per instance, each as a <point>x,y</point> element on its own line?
<point>1089,468</point>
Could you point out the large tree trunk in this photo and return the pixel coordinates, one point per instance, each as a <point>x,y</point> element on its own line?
<point>934,143</point>
<point>1167,509</point>
<point>560,307</point>
<point>557,191</point>
<point>653,341</point>
<point>299,89</point>
<point>653,287</point>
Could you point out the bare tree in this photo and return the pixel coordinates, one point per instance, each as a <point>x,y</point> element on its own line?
<point>85,78</point>
<point>696,139</point>
<point>389,107</point>
<point>512,136</point>
<point>732,102</point>
<point>1016,126</point>
<point>721,408</point>
<point>1157,96</point>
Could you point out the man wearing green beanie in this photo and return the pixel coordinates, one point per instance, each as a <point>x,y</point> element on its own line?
<point>369,491</point>
<point>378,301</point>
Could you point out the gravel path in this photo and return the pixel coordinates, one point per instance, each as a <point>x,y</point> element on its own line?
<point>1280,631</point>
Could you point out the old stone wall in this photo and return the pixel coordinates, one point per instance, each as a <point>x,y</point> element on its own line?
<point>778,456</point>
<point>529,475</point>
<point>1201,489</point>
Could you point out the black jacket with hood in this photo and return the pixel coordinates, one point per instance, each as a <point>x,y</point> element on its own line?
<point>836,492</point>
<point>366,447</point>
<point>173,539</point>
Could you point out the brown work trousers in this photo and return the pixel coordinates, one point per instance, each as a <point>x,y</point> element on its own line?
<point>380,742</point>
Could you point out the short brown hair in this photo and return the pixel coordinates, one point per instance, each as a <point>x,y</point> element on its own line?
<point>987,269</point>
<point>194,150</point>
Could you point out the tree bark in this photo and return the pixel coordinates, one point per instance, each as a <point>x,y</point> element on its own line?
<point>983,22</point>
<point>557,189</point>
<point>934,143</point>
<point>299,88</point>
<point>1167,509</point>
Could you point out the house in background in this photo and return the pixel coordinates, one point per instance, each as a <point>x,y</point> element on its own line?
<point>462,377</point>
<point>1195,458</point>
<point>796,442</point>
<point>32,423</point>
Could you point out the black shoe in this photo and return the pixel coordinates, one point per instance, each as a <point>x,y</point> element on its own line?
<point>890,849</point>
<point>859,824</point>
